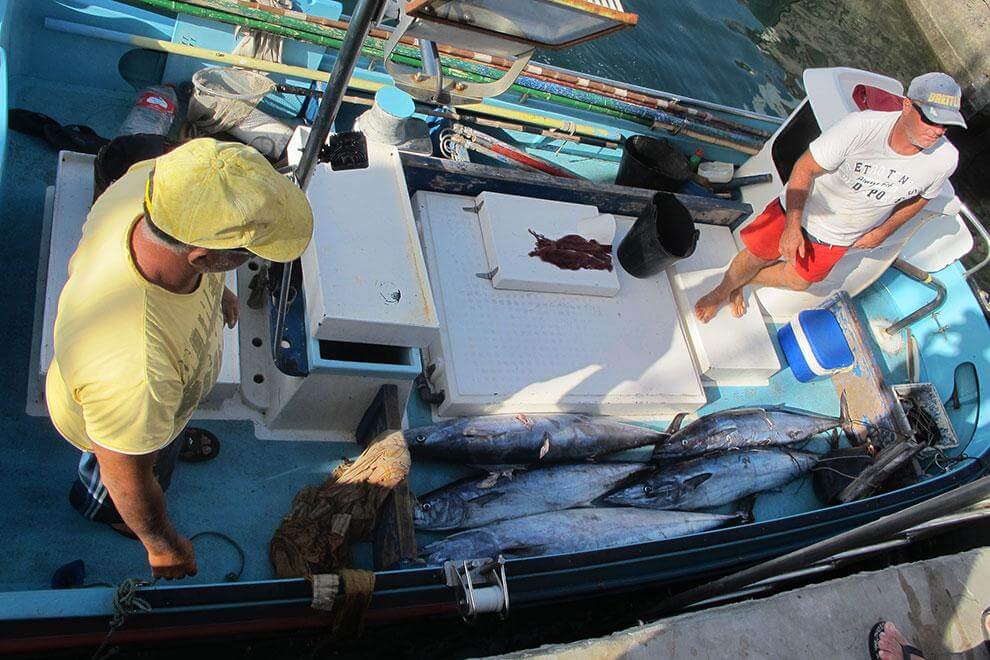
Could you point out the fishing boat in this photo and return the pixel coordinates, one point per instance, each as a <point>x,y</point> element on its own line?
<point>398,317</point>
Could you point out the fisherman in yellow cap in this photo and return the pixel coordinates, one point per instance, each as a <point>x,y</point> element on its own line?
<point>138,332</point>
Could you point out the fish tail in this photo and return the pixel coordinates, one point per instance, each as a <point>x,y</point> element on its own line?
<point>846,421</point>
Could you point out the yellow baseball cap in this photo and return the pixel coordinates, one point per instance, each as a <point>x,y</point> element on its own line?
<point>225,195</point>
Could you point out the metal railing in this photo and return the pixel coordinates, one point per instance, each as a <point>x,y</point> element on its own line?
<point>970,218</point>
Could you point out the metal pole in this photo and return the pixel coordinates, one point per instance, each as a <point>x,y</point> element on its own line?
<point>882,528</point>
<point>367,12</point>
<point>925,278</point>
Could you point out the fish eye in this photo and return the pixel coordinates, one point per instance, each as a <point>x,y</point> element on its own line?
<point>420,439</point>
<point>426,506</point>
<point>647,490</point>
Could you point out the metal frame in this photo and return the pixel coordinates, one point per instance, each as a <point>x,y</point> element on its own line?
<point>970,218</point>
<point>924,277</point>
<point>420,9</point>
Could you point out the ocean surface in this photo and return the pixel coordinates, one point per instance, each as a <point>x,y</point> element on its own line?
<point>751,53</point>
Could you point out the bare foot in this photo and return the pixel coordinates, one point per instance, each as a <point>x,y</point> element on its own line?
<point>738,302</point>
<point>707,307</point>
<point>891,644</point>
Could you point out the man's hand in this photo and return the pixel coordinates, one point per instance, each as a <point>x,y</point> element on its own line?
<point>871,239</point>
<point>792,244</point>
<point>229,307</point>
<point>174,560</point>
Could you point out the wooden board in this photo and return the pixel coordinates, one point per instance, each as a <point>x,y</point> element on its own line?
<point>471,179</point>
<point>868,396</point>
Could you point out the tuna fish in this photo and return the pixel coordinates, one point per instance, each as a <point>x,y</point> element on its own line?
<point>514,440</point>
<point>574,530</point>
<point>476,502</point>
<point>713,481</point>
<point>745,428</point>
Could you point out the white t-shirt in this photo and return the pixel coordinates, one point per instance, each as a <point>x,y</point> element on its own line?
<point>865,179</point>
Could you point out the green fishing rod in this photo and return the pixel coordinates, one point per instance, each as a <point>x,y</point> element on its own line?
<point>471,119</point>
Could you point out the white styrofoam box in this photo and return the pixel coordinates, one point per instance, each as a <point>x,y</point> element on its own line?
<point>506,223</point>
<point>365,279</point>
<point>73,198</point>
<point>858,269</point>
<point>729,351</point>
<point>522,351</point>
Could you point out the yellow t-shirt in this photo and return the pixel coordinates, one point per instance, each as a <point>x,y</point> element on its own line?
<point>132,360</point>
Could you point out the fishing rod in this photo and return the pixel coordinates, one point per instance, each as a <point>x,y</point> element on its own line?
<point>359,80</point>
<point>294,20</point>
<point>465,118</point>
<point>570,97</point>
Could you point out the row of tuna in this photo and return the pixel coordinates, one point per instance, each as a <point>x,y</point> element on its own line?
<point>718,459</point>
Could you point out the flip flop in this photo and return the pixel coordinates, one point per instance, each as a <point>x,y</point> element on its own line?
<point>28,122</point>
<point>194,450</point>
<point>906,649</point>
<point>74,137</point>
<point>985,619</point>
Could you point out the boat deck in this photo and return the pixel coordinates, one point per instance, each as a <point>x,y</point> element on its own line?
<point>245,492</point>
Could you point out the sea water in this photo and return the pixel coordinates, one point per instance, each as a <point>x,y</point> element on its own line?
<point>751,53</point>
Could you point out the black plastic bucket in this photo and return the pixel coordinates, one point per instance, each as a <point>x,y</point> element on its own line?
<point>663,233</point>
<point>652,163</point>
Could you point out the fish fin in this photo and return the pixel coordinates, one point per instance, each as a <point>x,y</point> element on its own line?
<point>490,480</point>
<point>697,480</point>
<point>525,421</point>
<point>744,509</point>
<point>545,448</point>
<point>675,424</point>
<point>482,500</point>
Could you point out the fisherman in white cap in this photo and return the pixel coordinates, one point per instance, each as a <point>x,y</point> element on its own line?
<point>856,184</point>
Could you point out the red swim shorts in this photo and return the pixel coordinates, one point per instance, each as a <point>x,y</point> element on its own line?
<point>762,238</point>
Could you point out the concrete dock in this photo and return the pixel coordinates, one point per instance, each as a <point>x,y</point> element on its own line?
<point>936,603</point>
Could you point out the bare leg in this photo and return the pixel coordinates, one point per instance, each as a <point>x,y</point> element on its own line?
<point>741,271</point>
<point>781,275</point>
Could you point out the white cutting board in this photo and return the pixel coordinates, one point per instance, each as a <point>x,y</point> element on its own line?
<point>506,221</point>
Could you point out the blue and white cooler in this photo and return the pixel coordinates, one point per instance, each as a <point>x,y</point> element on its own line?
<point>814,345</point>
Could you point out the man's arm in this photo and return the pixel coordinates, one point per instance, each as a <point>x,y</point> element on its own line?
<point>798,186</point>
<point>901,214</point>
<point>135,492</point>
